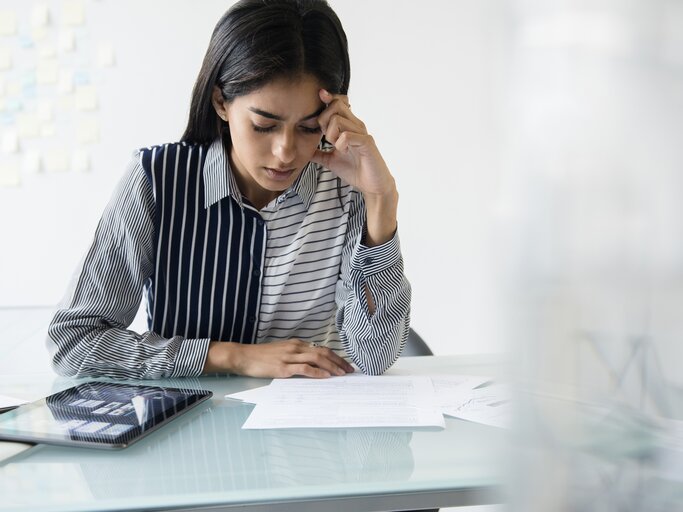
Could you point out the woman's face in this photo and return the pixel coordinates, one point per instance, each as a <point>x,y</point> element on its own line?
<point>274,132</point>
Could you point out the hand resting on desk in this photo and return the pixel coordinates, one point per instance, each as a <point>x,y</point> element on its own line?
<point>279,359</point>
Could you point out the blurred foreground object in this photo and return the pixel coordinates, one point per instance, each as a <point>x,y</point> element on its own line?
<point>592,203</point>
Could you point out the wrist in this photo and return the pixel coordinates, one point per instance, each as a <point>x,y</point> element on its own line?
<point>222,357</point>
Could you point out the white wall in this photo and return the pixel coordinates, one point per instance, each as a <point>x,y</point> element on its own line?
<point>427,77</point>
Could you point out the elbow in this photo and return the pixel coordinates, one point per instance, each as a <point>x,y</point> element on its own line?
<point>63,345</point>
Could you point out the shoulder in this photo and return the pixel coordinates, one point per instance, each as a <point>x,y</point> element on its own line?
<point>174,155</point>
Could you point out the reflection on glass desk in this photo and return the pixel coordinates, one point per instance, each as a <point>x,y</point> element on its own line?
<point>204,459</point>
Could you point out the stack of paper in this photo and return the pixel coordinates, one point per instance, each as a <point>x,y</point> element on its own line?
<point>361,401</point>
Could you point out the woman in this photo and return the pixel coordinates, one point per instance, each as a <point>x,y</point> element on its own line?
<point>265,241</point>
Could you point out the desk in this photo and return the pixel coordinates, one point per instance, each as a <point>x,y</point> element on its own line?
<point>203,460</point>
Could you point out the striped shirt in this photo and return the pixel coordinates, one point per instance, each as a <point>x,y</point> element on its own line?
<point>212,267</point>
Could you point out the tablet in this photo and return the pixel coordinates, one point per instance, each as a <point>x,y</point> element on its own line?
<point>98,414</point>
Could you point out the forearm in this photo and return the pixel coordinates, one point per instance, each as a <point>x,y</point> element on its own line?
<point>88,346</point>
<point>381,213</point>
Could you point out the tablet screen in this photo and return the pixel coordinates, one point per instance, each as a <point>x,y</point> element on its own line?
<point>98,414</point>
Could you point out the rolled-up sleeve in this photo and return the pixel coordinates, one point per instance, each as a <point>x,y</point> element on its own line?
<point>89,333</point>
<point>372,340</point>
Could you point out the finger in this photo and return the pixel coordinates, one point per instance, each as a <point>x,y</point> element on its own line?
<point>321,358</point>
<point>323,158</point>
<point>338,124</point>
<point>307,371</point>
<point>338,104</point>
<point>349,140</point>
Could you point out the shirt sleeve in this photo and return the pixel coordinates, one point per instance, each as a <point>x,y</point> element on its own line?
<point>89,333</point>
<point>373,341</point>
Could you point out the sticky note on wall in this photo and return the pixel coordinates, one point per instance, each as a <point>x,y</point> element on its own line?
<point>56,160</point>
<point>10,142</point>
<point>40,15</point>
<point>47,72</point>
<point>86,97</point>
<point>88,131</point>
<point>73,12</point>
<point>28,125</point>
<point>5,58</point>
<point>66,40</point>
<point>80,160</point>
<point>9,174</point>
<point>8,22</point>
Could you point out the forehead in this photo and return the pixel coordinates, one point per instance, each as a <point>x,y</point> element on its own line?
<point>285,95</point>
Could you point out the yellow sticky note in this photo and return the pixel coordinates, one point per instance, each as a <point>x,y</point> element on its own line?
<point>73,12</point>
<point>10,142</point>
<point>9,174</point>
<point>88,131</point>
<point>13,88</point>
<point>65,103</point>
<point>56,160</point>
<point>80,160</point>
<point>105,55</point>
<point>8,22</point>
<point>66,40</point>
<point>40,15</point>
<point>39,33</point>
<point>44,111</point>
<point>5,58</point>
<point>47,72</point>
<point>28,125</point>
<point>65,84</point>
<point>86,97</point>
<point>47,51</point>
<point>48,130</point>
<point>31,162</point>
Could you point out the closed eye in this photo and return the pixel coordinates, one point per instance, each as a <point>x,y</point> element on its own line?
<point>263,129</point>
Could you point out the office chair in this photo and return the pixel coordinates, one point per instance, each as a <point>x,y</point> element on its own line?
<point>416,346</point>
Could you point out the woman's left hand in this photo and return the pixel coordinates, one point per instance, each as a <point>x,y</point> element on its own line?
<point>355,157</point>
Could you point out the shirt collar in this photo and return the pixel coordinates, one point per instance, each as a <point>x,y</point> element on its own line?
<point>219,180</point>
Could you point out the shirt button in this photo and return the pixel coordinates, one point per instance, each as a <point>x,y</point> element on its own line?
<point>368,261</point>
<point>256,272</point>
<point>260,222</point>
<point>251,319</point>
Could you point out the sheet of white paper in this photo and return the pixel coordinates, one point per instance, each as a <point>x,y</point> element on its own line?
<point>490,405</point>
<point>354,388</point>
<point>340,415</point>
<point>344,402</point>
<point>8,401</point>
<point>452,390</point>
<point>250,395</point>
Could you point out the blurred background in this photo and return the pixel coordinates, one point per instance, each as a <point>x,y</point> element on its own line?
<point>537,146</point>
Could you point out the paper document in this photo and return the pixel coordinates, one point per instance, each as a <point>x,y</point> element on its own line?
<point>342,402</point>
<point>490,405</point>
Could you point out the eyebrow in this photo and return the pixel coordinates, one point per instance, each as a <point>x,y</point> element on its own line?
<point>269,115</point>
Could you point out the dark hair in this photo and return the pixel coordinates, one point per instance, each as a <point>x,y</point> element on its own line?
<point>257,41</point>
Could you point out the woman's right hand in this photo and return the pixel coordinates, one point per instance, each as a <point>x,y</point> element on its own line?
<point>278,359</point>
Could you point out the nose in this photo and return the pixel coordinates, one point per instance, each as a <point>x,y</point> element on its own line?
<point>285,147</point>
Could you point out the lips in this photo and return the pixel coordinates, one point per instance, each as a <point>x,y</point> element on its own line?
<point>279,174</point>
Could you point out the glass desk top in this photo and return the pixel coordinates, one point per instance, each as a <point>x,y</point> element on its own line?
<point>204,459</point>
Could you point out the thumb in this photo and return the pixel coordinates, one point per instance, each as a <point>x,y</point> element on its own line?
<point>323,157</point>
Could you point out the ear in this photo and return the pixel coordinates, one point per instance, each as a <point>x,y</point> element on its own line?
<point>219,103</point>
